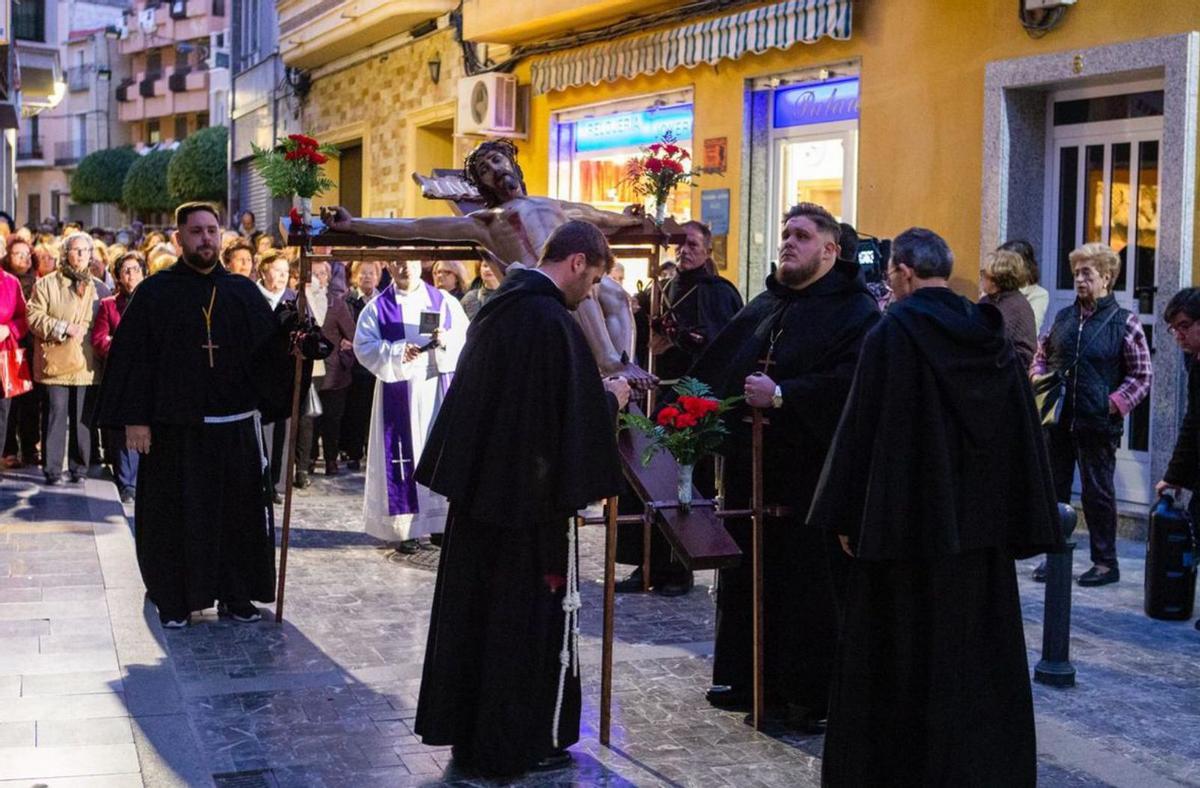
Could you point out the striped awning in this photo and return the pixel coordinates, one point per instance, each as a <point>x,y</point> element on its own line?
<point>776,26</point>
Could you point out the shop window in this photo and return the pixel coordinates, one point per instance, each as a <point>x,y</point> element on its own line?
<point>153,132</point>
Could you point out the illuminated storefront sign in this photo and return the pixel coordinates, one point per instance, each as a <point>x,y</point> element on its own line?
<point>818,102</point>
<point>633,129</point>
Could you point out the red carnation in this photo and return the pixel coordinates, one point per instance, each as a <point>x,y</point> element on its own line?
<point>655,148</point>
<point>672,150</point>
<point>666,416</point>
<point>317,158</point>
<point>673,165</point>
<point>685,420</point>
<point>303,140</point>
<point>683,154</point>
<point>654,165</point>
<point>292,155</point>
<point>294,215</point>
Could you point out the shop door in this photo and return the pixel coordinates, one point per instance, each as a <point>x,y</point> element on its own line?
<point>1103,187</point>
<point>815,166</point>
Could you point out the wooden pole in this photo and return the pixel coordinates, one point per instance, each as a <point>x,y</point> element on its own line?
<point>610,587</point>
<point>756,519</point>
<point>289,456</point>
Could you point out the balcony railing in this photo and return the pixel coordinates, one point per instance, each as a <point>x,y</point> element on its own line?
<point>79,78</point>
<point>146,86</point>
<point>29,147</point>
<point>67,153</point>
<point>123,89</point>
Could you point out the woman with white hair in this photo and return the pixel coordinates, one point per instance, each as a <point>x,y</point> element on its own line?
<point>62,311</point>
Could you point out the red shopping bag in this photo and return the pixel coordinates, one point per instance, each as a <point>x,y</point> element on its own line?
<point>14,373</point>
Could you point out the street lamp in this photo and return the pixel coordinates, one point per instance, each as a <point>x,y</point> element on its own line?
<point>435,68</point>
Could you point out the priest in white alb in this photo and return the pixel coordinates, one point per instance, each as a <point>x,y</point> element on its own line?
<point>413,362</point>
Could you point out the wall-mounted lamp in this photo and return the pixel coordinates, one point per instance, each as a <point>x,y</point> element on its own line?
<point>112,32</point>
<point>104,73</point>
<point>435,68</point>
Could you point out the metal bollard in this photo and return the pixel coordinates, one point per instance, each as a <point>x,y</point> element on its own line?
<point>1055,668</point>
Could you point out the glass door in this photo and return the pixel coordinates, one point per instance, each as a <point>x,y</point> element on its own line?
<point>815,166</point>
<point>1104,183</point>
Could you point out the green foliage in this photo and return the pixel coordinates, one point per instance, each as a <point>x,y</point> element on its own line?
<point>100,176</point>
<point>293,166</point>
<point>145,189</point>
<point>688,429</point>
<point>199,169</point>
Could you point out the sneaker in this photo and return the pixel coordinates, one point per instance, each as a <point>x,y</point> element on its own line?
<point>301,480</point>
<point>409,546</point>
<point>244,612</point>
<point>170,620</point>
<point>77,478</point>
<point>127,495</point>
<point>678,584</point>
<point>1039,574</point>
<point>53,479</point>
<point>1099,576</point>
<point>277,497</point>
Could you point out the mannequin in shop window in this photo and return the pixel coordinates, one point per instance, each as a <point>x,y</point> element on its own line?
<point>512,229</point>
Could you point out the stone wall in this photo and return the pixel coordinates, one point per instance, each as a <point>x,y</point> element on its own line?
<point>379,94</point>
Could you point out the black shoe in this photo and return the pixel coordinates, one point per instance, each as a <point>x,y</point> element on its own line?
<point>631,584</point>
<point>557,759</point>
<point>244,612</point>
<point>127,495</point>
<point>172,619</point>
<point>77,478</point>
<point>53,479</point>
<point>1099,576</point>
<point>354,465</point>
<point>409,547</point>
<point>1198,624</point>
<point>1039,573</point>
<point>803,719</point>
<point>277,497</point>
<point>331,468</point>
<point>301,481</point>
<point>734,698</point>
<point>677,585</point>
<point>436,539</point>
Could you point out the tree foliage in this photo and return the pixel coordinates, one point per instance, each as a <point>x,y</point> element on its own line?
<point>199,170</point>
<point>145,189</point>
<point>100,176</point>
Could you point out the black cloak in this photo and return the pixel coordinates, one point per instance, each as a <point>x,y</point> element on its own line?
<point>701,306</point>
<point>525,437</point>
<point>939,476</point>
<point>817,332</point>
<point>203,521</point>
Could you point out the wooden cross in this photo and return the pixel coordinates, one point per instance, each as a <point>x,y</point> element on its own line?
<point>210,347</point>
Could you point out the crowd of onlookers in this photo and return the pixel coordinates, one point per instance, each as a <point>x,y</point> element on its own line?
<point>63,290</point>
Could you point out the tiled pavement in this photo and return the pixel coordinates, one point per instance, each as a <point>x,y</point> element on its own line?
<point>94,693</point>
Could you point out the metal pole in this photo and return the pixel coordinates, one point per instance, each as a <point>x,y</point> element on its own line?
<point>756,520</point>
<point>289,455</point>
<point>610,587</point>
<point>1055,668</point>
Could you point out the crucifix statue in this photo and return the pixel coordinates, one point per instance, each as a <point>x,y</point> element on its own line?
<point>512,229</point>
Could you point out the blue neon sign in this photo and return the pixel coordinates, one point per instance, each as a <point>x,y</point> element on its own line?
<point>631,129</point>
<point>817,102</point>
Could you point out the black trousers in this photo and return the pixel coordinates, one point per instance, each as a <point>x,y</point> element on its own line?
<point>1096,456</point>
<point>333,407</point>
<point>356,421</point>
<point>65,426</point>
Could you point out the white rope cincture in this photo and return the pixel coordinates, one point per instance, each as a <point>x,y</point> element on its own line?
<point>568,657</point>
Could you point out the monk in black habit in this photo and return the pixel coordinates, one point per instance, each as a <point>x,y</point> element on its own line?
<point>937,479</point>
<point>524,439</point>
<point>196,363</point>
<point>791,351</point>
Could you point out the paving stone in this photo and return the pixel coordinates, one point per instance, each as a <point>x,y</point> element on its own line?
<point>50,762</point>
<point>17,734</point>
<point>71,733</point>
<point>83,683</point>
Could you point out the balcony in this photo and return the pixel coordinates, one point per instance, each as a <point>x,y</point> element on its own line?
<point>178,20</point>
<point>79,78</point>
<point>315,32</point>
<point>123,87</point>
<point>29,149</point>
<point>69,153</point>
<point>493,22</point>
<point>183,90</point>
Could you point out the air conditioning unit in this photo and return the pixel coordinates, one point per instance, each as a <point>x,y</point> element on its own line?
<point>147,22</point>
<point>218,52</point>
<point>487,104</point>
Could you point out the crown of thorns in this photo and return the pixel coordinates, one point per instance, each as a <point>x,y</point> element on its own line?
<point>504,146</point>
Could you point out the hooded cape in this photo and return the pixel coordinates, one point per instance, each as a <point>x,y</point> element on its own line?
<point>939,450</point>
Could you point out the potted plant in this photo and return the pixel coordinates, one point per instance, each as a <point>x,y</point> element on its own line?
<point>688,429</point>
<point>293,169</point>
<point>662,167</point>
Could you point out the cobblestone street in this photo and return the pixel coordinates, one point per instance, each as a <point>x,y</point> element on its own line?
<point>96,694</point>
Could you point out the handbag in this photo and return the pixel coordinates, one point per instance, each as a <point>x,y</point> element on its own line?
<point>63,358</point>
<point>14,373</point>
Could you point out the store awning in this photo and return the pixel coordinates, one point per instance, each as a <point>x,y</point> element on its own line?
<point>776,26</point>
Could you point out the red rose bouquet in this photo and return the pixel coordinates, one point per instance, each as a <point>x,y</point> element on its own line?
<point>689,428</point>
<point>660,170</point>
<point>293,166</point>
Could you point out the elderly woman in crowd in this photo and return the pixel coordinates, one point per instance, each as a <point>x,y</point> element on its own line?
<point>25,416</point>
<point>1099,353</point>
<point>13,327</point>
<point>1000,279</point>
<point>61,314</point>
<point>238,258</point>
<point>451,276</point>
<point>474,300</point>
<point>128,271</point>
<point>161,256</point>
<point>1031,288</point>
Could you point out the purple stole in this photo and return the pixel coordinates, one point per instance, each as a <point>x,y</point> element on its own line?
<point>397,417</point>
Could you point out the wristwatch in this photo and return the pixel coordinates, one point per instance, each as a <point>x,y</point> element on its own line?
<point>777,398</point>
